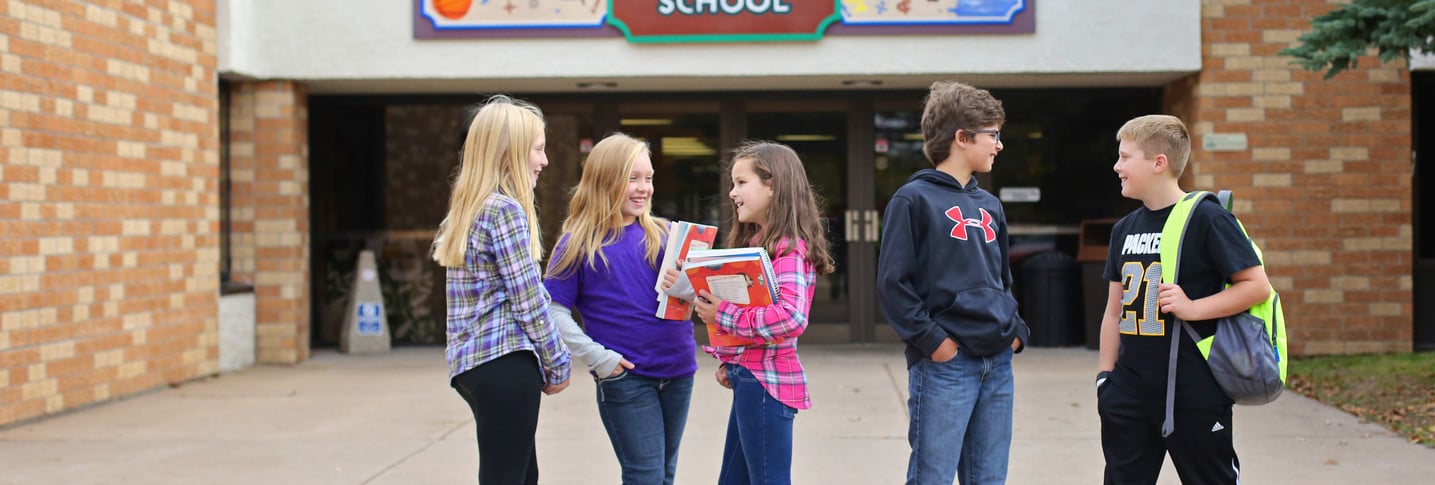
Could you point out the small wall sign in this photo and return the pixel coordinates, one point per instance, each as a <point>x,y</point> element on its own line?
<point>1224,142</point>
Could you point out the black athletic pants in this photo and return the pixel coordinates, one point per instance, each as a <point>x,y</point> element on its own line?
<point>1201,448</point>
<point>503,394</point>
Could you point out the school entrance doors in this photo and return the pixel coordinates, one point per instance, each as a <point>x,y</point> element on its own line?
<point>691,143</point>
<point>387,189</point>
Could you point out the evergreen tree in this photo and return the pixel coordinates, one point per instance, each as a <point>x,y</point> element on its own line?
<point>1393,27</point>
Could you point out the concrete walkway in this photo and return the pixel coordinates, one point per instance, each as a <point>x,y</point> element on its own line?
<point>392,419</point>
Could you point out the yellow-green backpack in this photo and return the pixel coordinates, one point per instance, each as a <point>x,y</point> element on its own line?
<point>1247,354</point>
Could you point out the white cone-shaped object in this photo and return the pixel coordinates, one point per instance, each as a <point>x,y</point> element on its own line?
<point>366,331</point>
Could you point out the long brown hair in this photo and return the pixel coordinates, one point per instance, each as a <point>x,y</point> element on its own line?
<point>794,212</point>
<point>495,160</point>
<point>595,213</point>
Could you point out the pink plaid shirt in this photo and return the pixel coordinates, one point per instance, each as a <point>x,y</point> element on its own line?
<point>775,364</point>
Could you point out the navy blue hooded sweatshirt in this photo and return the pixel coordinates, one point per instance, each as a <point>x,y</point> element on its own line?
<point>943,270</point>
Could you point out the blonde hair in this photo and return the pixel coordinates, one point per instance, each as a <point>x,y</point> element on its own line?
<point>595,214</point>
<point>794,212</point>
<point>1160,134</point>
<point>495,159</point>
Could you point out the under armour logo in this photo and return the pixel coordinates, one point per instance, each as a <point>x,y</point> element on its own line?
<point>960,232</point>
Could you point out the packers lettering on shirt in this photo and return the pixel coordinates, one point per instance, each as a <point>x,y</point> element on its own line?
<point>1148,243</point>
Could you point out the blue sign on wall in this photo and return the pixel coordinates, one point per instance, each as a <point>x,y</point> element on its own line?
<point>370,319</point>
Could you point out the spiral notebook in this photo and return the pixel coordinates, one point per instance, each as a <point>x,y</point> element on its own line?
<point>742,276</point>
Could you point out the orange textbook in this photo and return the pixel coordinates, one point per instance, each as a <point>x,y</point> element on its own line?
<point>682,238</point>
<point>742,276</point>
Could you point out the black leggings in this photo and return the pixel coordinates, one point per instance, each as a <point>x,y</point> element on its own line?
<point>503,394</point>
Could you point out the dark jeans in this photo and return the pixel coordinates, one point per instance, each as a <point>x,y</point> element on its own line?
<point>503,394</point>
<point>645,419</point>
<point>759,434</point>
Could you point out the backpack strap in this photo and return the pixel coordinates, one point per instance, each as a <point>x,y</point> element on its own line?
<point>1173,237</point>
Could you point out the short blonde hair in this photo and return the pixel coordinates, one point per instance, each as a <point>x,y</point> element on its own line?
<point>1160,134</point>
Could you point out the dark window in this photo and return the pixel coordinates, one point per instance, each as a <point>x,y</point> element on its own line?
<point>227,284</point>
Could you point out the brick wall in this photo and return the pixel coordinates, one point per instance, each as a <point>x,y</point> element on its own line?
<point>1325,184</point>
<point>269,210</point>
<point>108,200</point>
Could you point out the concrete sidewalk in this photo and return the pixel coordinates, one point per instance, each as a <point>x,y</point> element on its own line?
<point>392,419</point>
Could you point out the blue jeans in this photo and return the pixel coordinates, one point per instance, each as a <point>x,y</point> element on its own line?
<point>960,419</point>
<point>759,434</point>
<point>645,419</point>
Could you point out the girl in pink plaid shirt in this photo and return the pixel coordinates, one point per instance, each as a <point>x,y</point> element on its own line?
<point>776,209</point>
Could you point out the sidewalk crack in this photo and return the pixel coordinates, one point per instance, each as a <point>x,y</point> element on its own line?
<point>421,449</point>
<point>901,397</point>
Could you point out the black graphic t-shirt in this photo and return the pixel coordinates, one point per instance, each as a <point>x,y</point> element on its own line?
<point>1215,248</point>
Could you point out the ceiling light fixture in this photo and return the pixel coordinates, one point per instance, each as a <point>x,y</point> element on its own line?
<point>862,83</point>
<point>645,122</point>
<point>597,85</point>
<point>805,137</point>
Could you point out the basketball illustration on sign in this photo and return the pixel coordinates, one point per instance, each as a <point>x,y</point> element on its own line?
<point>452,9</point>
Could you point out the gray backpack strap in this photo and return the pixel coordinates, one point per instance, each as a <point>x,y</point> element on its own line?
<point>1225,198</point>
<point>1169,425</point>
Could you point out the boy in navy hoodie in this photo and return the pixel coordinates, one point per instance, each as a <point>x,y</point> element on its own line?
<point>945,286</point>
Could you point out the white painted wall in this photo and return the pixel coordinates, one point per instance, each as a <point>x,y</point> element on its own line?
<point>236,331</point>
<point>1420,61</point>
<point>368,45</point>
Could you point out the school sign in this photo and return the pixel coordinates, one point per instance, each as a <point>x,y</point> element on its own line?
<point>664,21</point>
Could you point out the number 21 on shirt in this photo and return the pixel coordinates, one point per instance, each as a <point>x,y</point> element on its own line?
<point>1135,278</point>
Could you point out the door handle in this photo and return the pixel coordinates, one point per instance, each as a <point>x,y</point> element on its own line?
<point>848,234</point>
<point>873,222</point>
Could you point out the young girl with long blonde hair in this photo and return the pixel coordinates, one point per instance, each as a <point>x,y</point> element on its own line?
<point>502,349</point>
<point>604,267</point>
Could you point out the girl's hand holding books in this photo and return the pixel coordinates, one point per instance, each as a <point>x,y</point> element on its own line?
<point>670,278</point>
<point>706,306</point>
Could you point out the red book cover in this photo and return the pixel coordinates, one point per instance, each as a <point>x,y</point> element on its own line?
<point>682,238</point>
<point>743,277</point>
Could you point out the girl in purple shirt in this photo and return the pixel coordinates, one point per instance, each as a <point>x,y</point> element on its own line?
<point>604,267</point>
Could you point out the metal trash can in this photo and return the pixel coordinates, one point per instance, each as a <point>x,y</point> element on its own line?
<point>1091,251</point>
<point>1051,299</point>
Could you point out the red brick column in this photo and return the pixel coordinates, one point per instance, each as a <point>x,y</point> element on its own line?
<point>269,166</point>
<point>108,197</point>
<point>1325,182</point>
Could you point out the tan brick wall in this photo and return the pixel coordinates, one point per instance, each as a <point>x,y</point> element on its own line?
<point>108,200</point>
<point>269,210</point>
<point>1325,184</point>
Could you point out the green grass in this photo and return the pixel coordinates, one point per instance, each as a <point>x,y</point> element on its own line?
<point>1395,390</point>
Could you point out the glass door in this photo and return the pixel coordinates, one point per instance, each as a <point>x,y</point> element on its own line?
<point>686,158</point>
<point>1054,170</point>
<point>896,152</point>
<point>817,130</point>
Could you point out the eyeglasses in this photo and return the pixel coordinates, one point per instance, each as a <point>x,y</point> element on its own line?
<point>996,134</point>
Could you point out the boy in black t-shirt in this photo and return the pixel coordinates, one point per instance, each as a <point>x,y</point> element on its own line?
<point>1141,310</point>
